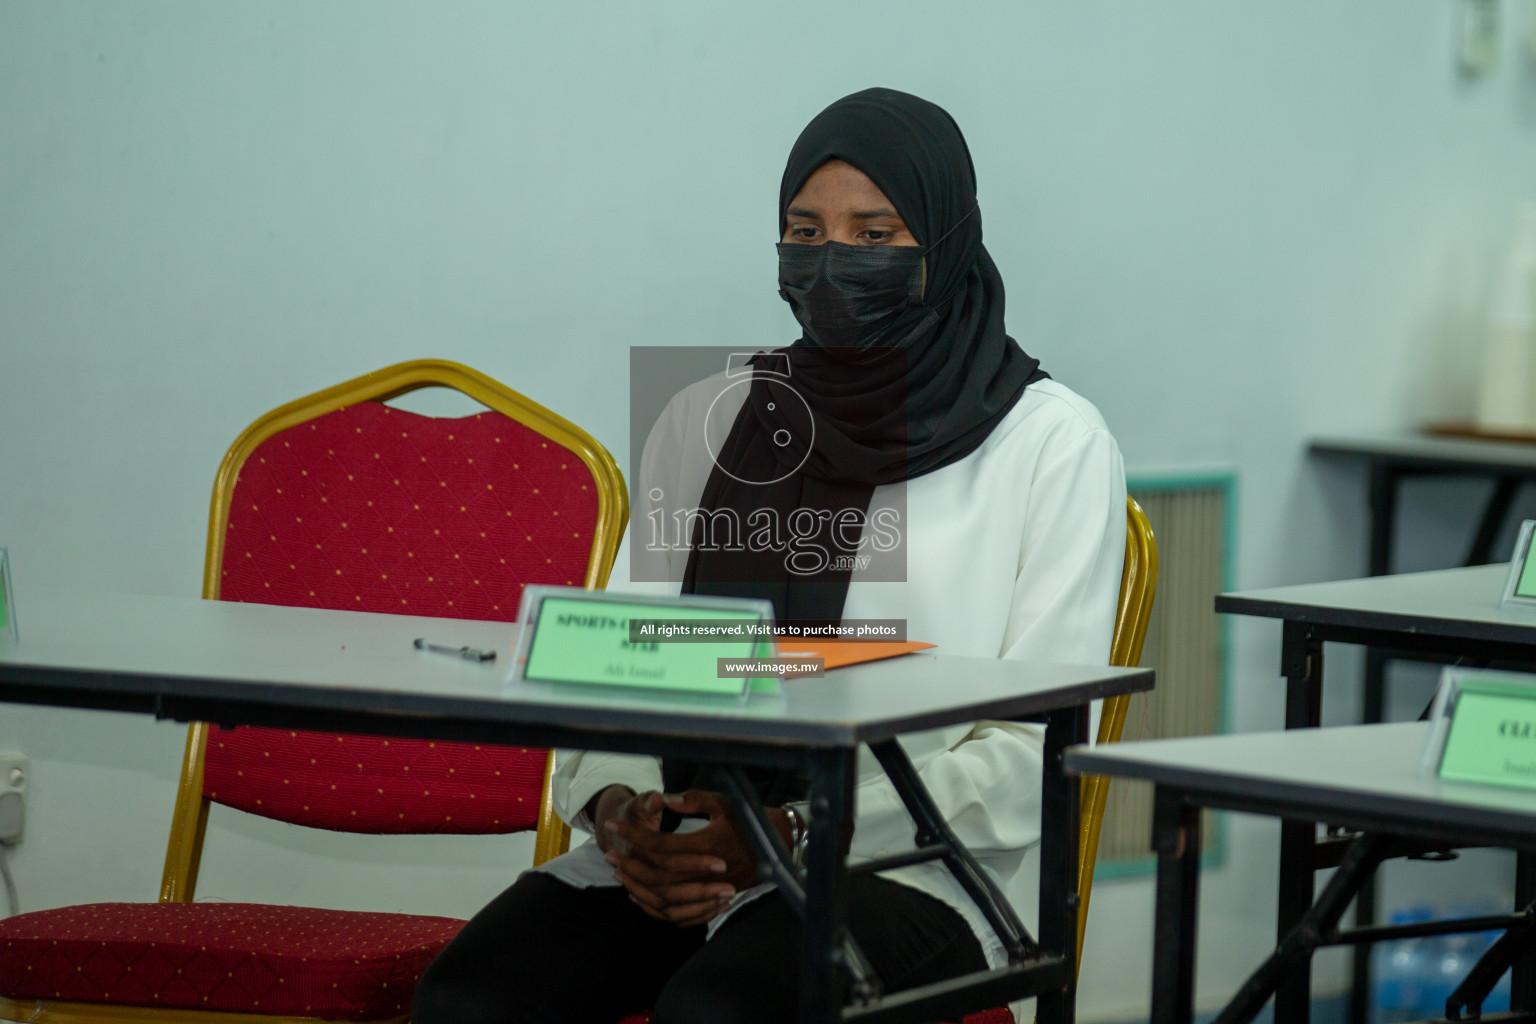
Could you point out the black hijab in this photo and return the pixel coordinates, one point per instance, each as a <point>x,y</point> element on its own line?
<point>879,415</point>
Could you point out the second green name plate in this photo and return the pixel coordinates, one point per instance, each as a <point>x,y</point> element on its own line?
<point>1485,726</point>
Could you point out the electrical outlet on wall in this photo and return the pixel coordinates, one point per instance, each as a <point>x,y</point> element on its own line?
<point>14,770</point>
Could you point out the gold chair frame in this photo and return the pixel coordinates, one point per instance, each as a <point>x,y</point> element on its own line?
<point>190,820</point>
<point>1138,586</point>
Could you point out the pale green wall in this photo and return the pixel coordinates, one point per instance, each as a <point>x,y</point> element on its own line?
<point>1230,224</point>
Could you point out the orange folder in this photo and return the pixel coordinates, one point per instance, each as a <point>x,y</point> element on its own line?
<point>838,653</point>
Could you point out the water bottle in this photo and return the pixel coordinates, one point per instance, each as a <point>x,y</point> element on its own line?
<point>1398,972</point>
<point>1447,959</point>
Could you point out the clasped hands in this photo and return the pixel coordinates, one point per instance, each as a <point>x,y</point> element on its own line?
<point>685,878</point>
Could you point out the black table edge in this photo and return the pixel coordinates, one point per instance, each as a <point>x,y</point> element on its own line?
<point>360,710</point>
<point>1274,798</point>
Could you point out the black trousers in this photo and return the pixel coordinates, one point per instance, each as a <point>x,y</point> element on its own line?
<point>544,952</point>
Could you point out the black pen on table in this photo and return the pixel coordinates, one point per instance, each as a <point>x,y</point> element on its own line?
<point>467,653</point>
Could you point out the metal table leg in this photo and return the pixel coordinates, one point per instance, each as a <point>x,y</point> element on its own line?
<point>1294,952</point>
<point>773,865</point>
<point>1494,514</point>
<point>1384,490</point>
<point>1383,502</point>
<point>1522,992</point>
<point>826,907</point>
<point>1058,860</point>
<point>937,841</point>
<point>1301,662</point>
<point>1372,711</point>
<point>829,947</point>
<point>1176,838</point>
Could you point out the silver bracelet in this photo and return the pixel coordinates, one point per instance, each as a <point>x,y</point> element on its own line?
<point>799,815</point>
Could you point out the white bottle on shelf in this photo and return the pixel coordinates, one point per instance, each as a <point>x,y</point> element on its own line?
<point>1507,397</point>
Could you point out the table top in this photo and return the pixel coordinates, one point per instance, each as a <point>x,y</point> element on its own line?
<point>1348,771</point>
<point>262,664</point>
<point>1456,603</point>
<point>1425,451</point>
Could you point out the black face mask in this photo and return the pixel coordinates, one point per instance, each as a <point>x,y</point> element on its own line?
<point>850,296</point>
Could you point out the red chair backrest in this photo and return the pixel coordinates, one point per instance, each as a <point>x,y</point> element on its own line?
<point>371,508</point>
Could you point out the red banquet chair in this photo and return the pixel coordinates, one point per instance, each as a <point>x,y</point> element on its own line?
<point>340,501</point>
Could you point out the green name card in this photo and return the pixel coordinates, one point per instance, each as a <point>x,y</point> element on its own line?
<point>1492,734</point>
<point>584,638</point>
<point>1525,586</point>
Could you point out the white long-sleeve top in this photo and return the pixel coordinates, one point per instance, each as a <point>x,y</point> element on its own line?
<point>1015,551</point>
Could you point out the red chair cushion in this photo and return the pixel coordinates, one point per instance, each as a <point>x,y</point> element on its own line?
<point>996,1015</point>
<point>252,958</point>
<point>371,784</point>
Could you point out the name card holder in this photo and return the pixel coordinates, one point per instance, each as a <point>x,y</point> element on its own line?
<point>568,635</point>
<point>9,633</point>
<point>1483,728</point>
<point>1520,584</point>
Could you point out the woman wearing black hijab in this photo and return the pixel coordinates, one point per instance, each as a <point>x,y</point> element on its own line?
<point>1009,504</point>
